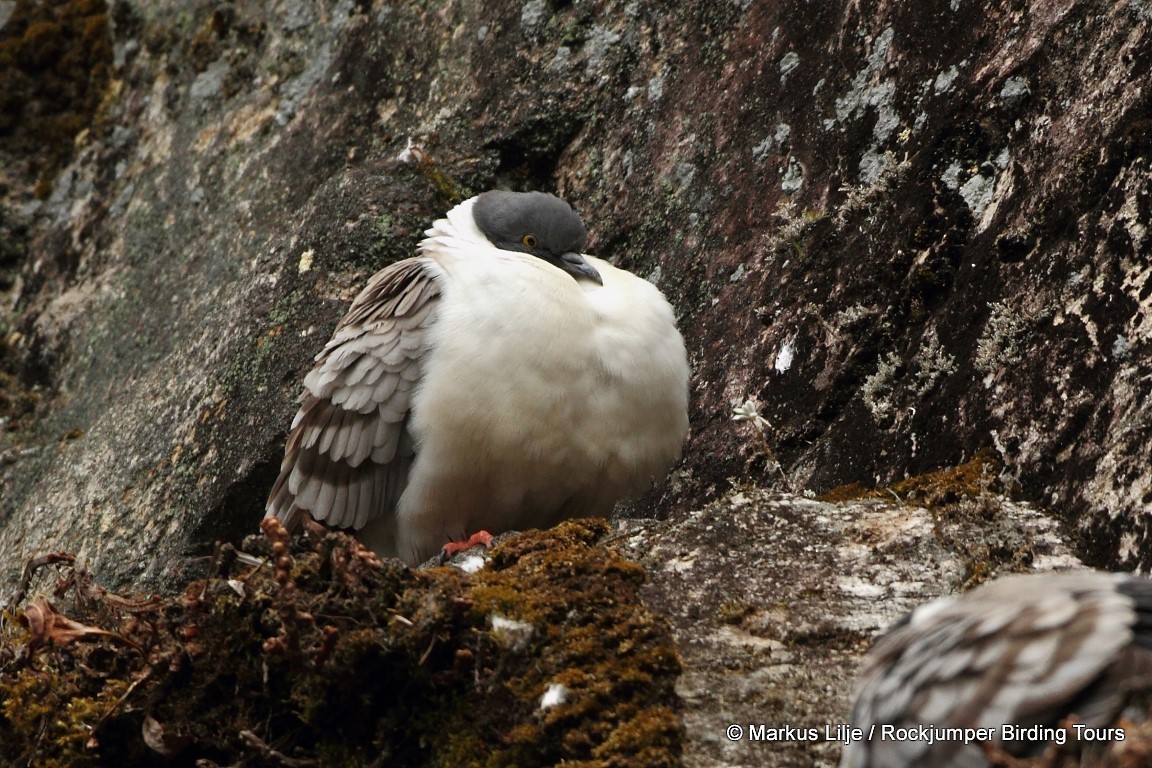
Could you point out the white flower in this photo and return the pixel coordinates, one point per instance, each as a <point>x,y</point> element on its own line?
<point>749,410</point>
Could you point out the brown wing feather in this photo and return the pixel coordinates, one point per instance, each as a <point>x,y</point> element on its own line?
<point>347,457</point>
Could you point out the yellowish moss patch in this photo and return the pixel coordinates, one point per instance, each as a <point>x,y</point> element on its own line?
<point>328,654</point>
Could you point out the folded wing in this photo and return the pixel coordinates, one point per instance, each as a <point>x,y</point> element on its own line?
<point>349,452</point>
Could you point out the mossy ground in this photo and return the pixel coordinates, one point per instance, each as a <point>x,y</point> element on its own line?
<point>328,656</point>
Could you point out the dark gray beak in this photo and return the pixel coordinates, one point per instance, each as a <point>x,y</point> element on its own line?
<point>576,265</point>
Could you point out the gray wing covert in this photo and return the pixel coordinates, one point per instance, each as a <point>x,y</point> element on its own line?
<point>1027,650</point>
<point>348,454</point>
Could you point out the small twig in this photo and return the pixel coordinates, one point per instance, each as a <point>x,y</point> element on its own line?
<point>252,561</point>
<point>90,590</point>
<point>612,538</point>
<point>162,663</point>
<point>31,565</point>
<point>427,652</point>
<point>254,741</point>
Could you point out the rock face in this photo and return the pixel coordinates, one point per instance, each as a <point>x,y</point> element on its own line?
<point>925,233</point>
<point>773,599</point>
<point>904,234</point>
<point>897,235</point>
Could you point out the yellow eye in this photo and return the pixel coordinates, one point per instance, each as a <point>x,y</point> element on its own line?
<point>530,241</point>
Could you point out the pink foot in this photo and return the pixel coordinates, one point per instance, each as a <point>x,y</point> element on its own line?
<point>452,548</point>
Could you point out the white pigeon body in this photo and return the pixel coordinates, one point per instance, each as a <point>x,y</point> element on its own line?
<point>534,396</point>
<point>1022,651</point>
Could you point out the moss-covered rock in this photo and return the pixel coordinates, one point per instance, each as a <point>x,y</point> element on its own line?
<point>55,68</point>
<point>327,655</point>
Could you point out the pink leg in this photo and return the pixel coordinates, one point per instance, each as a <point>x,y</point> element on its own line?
<point>480,538</point>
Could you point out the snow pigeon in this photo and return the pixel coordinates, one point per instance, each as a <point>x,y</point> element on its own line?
<point>1006,664</point>
<point>499,380</point>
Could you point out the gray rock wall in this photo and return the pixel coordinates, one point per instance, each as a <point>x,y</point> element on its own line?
<point>905,233</point>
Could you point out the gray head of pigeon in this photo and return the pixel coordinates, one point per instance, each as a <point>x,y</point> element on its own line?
<point>536,223</point>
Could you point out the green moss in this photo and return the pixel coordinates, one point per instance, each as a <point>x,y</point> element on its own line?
<point>329,654</point>
<point>54,715</point>
<point>733,611</point>
<point>970,480</point>
<point>55,66</point>
<point>615,661</point>
<point>450,189</point>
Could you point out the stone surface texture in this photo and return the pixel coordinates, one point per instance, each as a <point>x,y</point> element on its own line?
<point>897,236</point>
